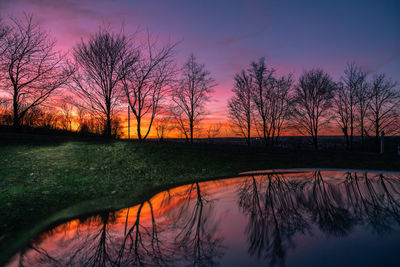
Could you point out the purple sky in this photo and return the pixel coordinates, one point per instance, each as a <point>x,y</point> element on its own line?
<point>228,35</point>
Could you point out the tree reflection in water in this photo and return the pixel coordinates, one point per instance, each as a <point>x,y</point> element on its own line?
<point>324,201</point>
<point>186,225</point>
<point>278,208</point>
<point>274,215</point>
<point>373,201</point>
<point>179,231</point>
<point>197,238</point>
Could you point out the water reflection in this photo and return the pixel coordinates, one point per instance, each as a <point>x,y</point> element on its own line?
<point>276,219</point>
<point>274,214</point>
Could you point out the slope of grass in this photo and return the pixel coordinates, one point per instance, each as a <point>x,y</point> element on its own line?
<point>37,180</point>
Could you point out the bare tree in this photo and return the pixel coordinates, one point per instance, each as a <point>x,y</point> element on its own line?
<point>354,80</point>
<point>163,127</point>
<point>363,95</point>
<point>43,117</point>
<point>32,70</point>
<point>66,116</point>
<point>241,107</point>
<point>103,62</point>
<point>213,131</point>
<point>5,113</point>
<point>384,106</point>
<point>262,86</point>
<point>351,102</point>
<point>342,110</point>
<point>148,82</point>
<point>190,96</point>
<point>82,118</point>
<point>268,95</point>
<point>48,119</point>
<point>280,102</point>
<point>313,99</point>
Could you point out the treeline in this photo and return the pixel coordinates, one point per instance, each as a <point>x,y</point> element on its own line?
<point>265,104</point>
<point>110,70</point>
<point>104,72</point>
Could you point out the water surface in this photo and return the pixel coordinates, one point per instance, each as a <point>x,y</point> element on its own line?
<point>311,218</point>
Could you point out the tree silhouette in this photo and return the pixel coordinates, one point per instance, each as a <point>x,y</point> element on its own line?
<point>148,81</point>
<point>102,62</point>
<point>261,101</point>
<point>313,100</point>
<point>275,216</point>
<point>373,200</point>
<point>281,102</point>
<point>384,105</point>
<point>66,115</point>
<point>346,101</point>
<point>213,131</point>
<point>240,106</point>
<point>344,112</point>
<point>197,238</point>
<point>32,70</point>
<point>326,206</point>
<point>163,127</point>
<point>190,95</point>
<point>263,81</point>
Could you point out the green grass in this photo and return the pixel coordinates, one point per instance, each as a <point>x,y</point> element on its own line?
<point>37,181</point>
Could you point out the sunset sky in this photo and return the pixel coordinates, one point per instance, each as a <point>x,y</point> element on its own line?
<point>227,35</point>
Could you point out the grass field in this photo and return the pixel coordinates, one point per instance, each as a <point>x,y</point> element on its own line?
<point>39,179</point>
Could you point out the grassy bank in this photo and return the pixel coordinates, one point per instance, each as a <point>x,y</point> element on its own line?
<point>38,179</point>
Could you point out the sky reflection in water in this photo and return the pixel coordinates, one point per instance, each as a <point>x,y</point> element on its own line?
<point>311,218</point>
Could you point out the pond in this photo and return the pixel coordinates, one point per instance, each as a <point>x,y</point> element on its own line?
<point>293,218</point>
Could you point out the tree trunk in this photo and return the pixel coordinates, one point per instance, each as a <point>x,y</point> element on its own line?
<point>108,126</point>
<point>351,131</point>
<point>16,122</point>
<point>377,139</point>
<point>265,133</point>
<point>191,131</point>
<point>139,134</point>
<point>346,138</point>
<point>362,132</point>
<point>16,119</point>
<point>248,133</point>
<point>273,136</point>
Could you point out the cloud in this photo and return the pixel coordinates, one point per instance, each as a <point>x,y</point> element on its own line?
<point>239,37</point>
